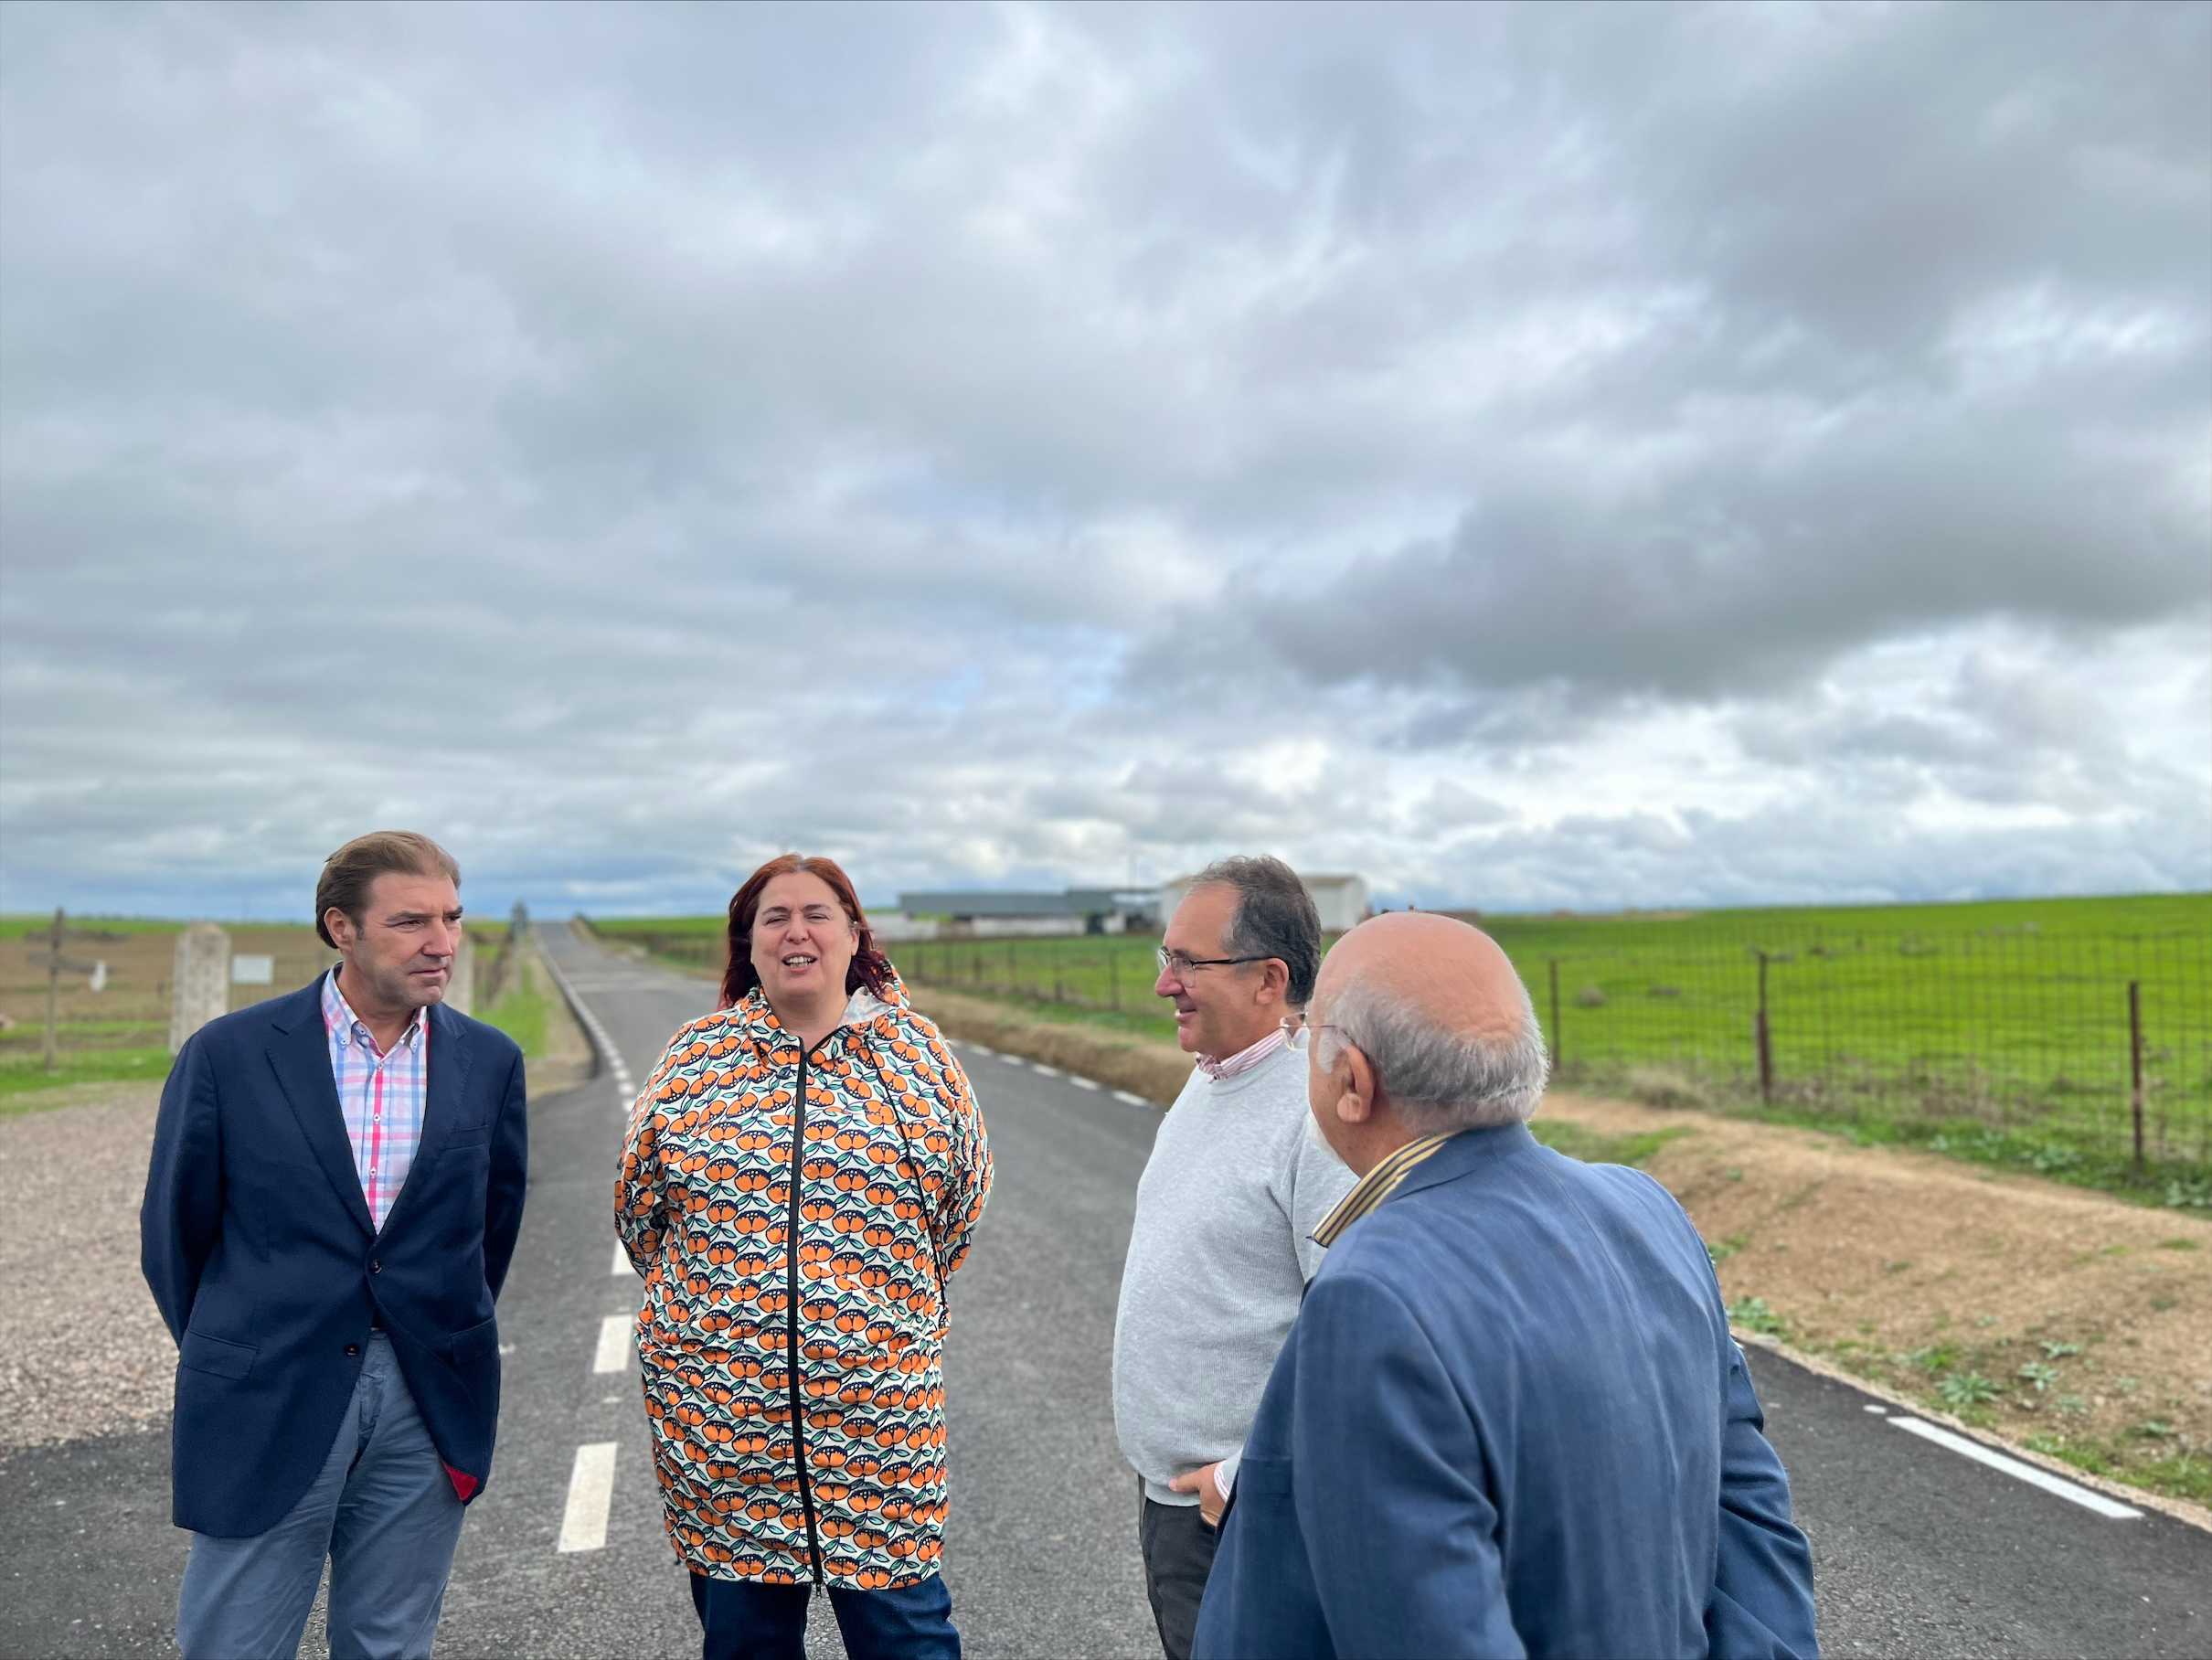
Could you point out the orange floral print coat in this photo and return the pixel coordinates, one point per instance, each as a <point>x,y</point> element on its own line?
<point>796,1219</point>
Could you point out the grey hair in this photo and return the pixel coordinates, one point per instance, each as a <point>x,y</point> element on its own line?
<point>1274,918</point>
<point>1439,1081</point>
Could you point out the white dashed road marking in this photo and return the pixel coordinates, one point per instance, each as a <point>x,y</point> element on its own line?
<point>1082,1083</point>
<point>613,1354</point>
<point>1134,1101</point>
<point>1039,1066</point>
<point>2020,1472</point>
<point>622,1260</point>
<point>1013,1060</point>
<point>583,1526</point>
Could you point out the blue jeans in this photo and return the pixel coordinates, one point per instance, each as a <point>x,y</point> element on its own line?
<point>744,1621</point>
<point>384,1512</point>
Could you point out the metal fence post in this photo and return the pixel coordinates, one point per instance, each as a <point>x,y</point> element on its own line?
<point>1555,1050</point>
<point>1759,1030</point>
<point>2135,1062</point>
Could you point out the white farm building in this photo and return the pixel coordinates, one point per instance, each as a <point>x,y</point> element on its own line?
<point>1341,899</point>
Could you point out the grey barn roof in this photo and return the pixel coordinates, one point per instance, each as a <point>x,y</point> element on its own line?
<point>1075,902</point>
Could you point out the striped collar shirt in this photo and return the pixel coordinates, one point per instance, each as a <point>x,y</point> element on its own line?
<point>381,1094</point>
<point>1244,1061</point>
<point>1376,1186</point>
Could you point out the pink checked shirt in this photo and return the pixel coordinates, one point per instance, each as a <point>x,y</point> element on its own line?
<point>381,1095</point>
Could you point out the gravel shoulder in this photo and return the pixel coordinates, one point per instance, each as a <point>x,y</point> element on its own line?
<point>82,1349</point>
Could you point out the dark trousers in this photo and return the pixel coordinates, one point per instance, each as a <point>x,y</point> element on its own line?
<point>1178,1555</point>
<point>745,1620</point>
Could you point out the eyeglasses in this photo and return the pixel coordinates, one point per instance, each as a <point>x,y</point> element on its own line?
<point>1295,1027</point>
<point>1175,963</point>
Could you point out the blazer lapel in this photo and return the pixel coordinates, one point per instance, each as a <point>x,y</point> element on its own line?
<point>452,1052</point>
<point>301,1055</point>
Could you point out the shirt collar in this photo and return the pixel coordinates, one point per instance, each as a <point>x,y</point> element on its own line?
<point>1244,1061</point>
<point>1376,1186</point>
<point>338,1017</point>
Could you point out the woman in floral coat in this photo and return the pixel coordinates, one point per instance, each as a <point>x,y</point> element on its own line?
<point>802,1174</point>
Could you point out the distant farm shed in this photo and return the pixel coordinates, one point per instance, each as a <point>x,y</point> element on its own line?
<point>1342,899</point>
<point>1077,910</point>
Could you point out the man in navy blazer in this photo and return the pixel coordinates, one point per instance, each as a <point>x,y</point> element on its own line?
<point>337,1184</point>
<point>1509,1419</point>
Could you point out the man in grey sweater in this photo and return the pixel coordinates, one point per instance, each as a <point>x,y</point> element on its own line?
<point>1220,1253</point>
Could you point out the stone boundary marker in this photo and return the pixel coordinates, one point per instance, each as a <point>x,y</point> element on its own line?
<point>460,990</point>
<point>202,984</point>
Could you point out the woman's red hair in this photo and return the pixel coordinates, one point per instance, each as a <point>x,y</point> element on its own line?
<point>870,967</point>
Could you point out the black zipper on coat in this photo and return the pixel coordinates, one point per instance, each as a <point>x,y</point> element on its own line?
<point>791,1321</point>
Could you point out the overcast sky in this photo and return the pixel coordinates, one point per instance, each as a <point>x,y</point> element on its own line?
<point>1563,456</point>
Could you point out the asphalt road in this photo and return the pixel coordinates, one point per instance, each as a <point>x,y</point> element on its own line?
<point>1919,1550</point>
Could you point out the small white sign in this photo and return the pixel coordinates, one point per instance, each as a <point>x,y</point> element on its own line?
<point>252,971</point>
<point>99,981</point>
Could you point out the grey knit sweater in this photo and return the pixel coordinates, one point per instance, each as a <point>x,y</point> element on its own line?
<point>1218,1260</point>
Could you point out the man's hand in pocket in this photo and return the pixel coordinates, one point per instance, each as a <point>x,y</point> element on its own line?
<point>1202,1482</point>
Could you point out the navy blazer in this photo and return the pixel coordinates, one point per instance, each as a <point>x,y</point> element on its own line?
<point>258,1243</point>
<point>1510,1420</point>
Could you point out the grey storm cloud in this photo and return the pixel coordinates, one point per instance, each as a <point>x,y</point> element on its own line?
<point>1047,443</point>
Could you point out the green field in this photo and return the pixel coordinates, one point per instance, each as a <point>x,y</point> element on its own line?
<point>121,1032</point>
<point>1997,1030</point>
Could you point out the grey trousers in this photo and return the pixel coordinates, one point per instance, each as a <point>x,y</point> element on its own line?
<point>383,1511</point>
<point>1178,1555</point>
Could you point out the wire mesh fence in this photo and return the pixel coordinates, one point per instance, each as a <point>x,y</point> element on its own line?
<point>2092,1036</point>
<point>2108,1039</point>
<point>1083,971</point>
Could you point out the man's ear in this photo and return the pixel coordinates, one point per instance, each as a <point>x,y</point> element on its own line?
<point>1275,981</point>
<point>1355,1086</point>
<point>341,927</point>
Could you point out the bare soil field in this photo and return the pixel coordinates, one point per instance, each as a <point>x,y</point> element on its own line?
<point>2072,1323</point>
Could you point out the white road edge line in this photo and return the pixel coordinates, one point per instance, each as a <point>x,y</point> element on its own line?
<point>621,1265</point>
<point>613,1354</point>
<point>979,1047</point>
<point>1039,1066</point>
<point>594,1029</point>
<point>1014,1060</point>
<point>1083,1083</point>
<point>583,1524</point>
<point>2013,1467</point>
<point>1134,1101</point>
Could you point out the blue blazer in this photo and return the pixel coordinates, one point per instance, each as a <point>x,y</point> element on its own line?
<point>1510,1420</point>
<point>258,1243</point>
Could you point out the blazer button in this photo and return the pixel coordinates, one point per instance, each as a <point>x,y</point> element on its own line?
<point>353,1348</point>
<point>376,1267</point>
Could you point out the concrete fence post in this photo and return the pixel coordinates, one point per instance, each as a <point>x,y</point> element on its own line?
<point>203,981</point>
<point>461,990</point>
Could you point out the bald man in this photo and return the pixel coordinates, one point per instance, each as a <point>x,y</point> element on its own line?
<point>1509,1419</point>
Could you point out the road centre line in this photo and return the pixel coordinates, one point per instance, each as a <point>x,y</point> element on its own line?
<point>613,1353</point>
<point>2013,1467</point>
<point>583,1524</point>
